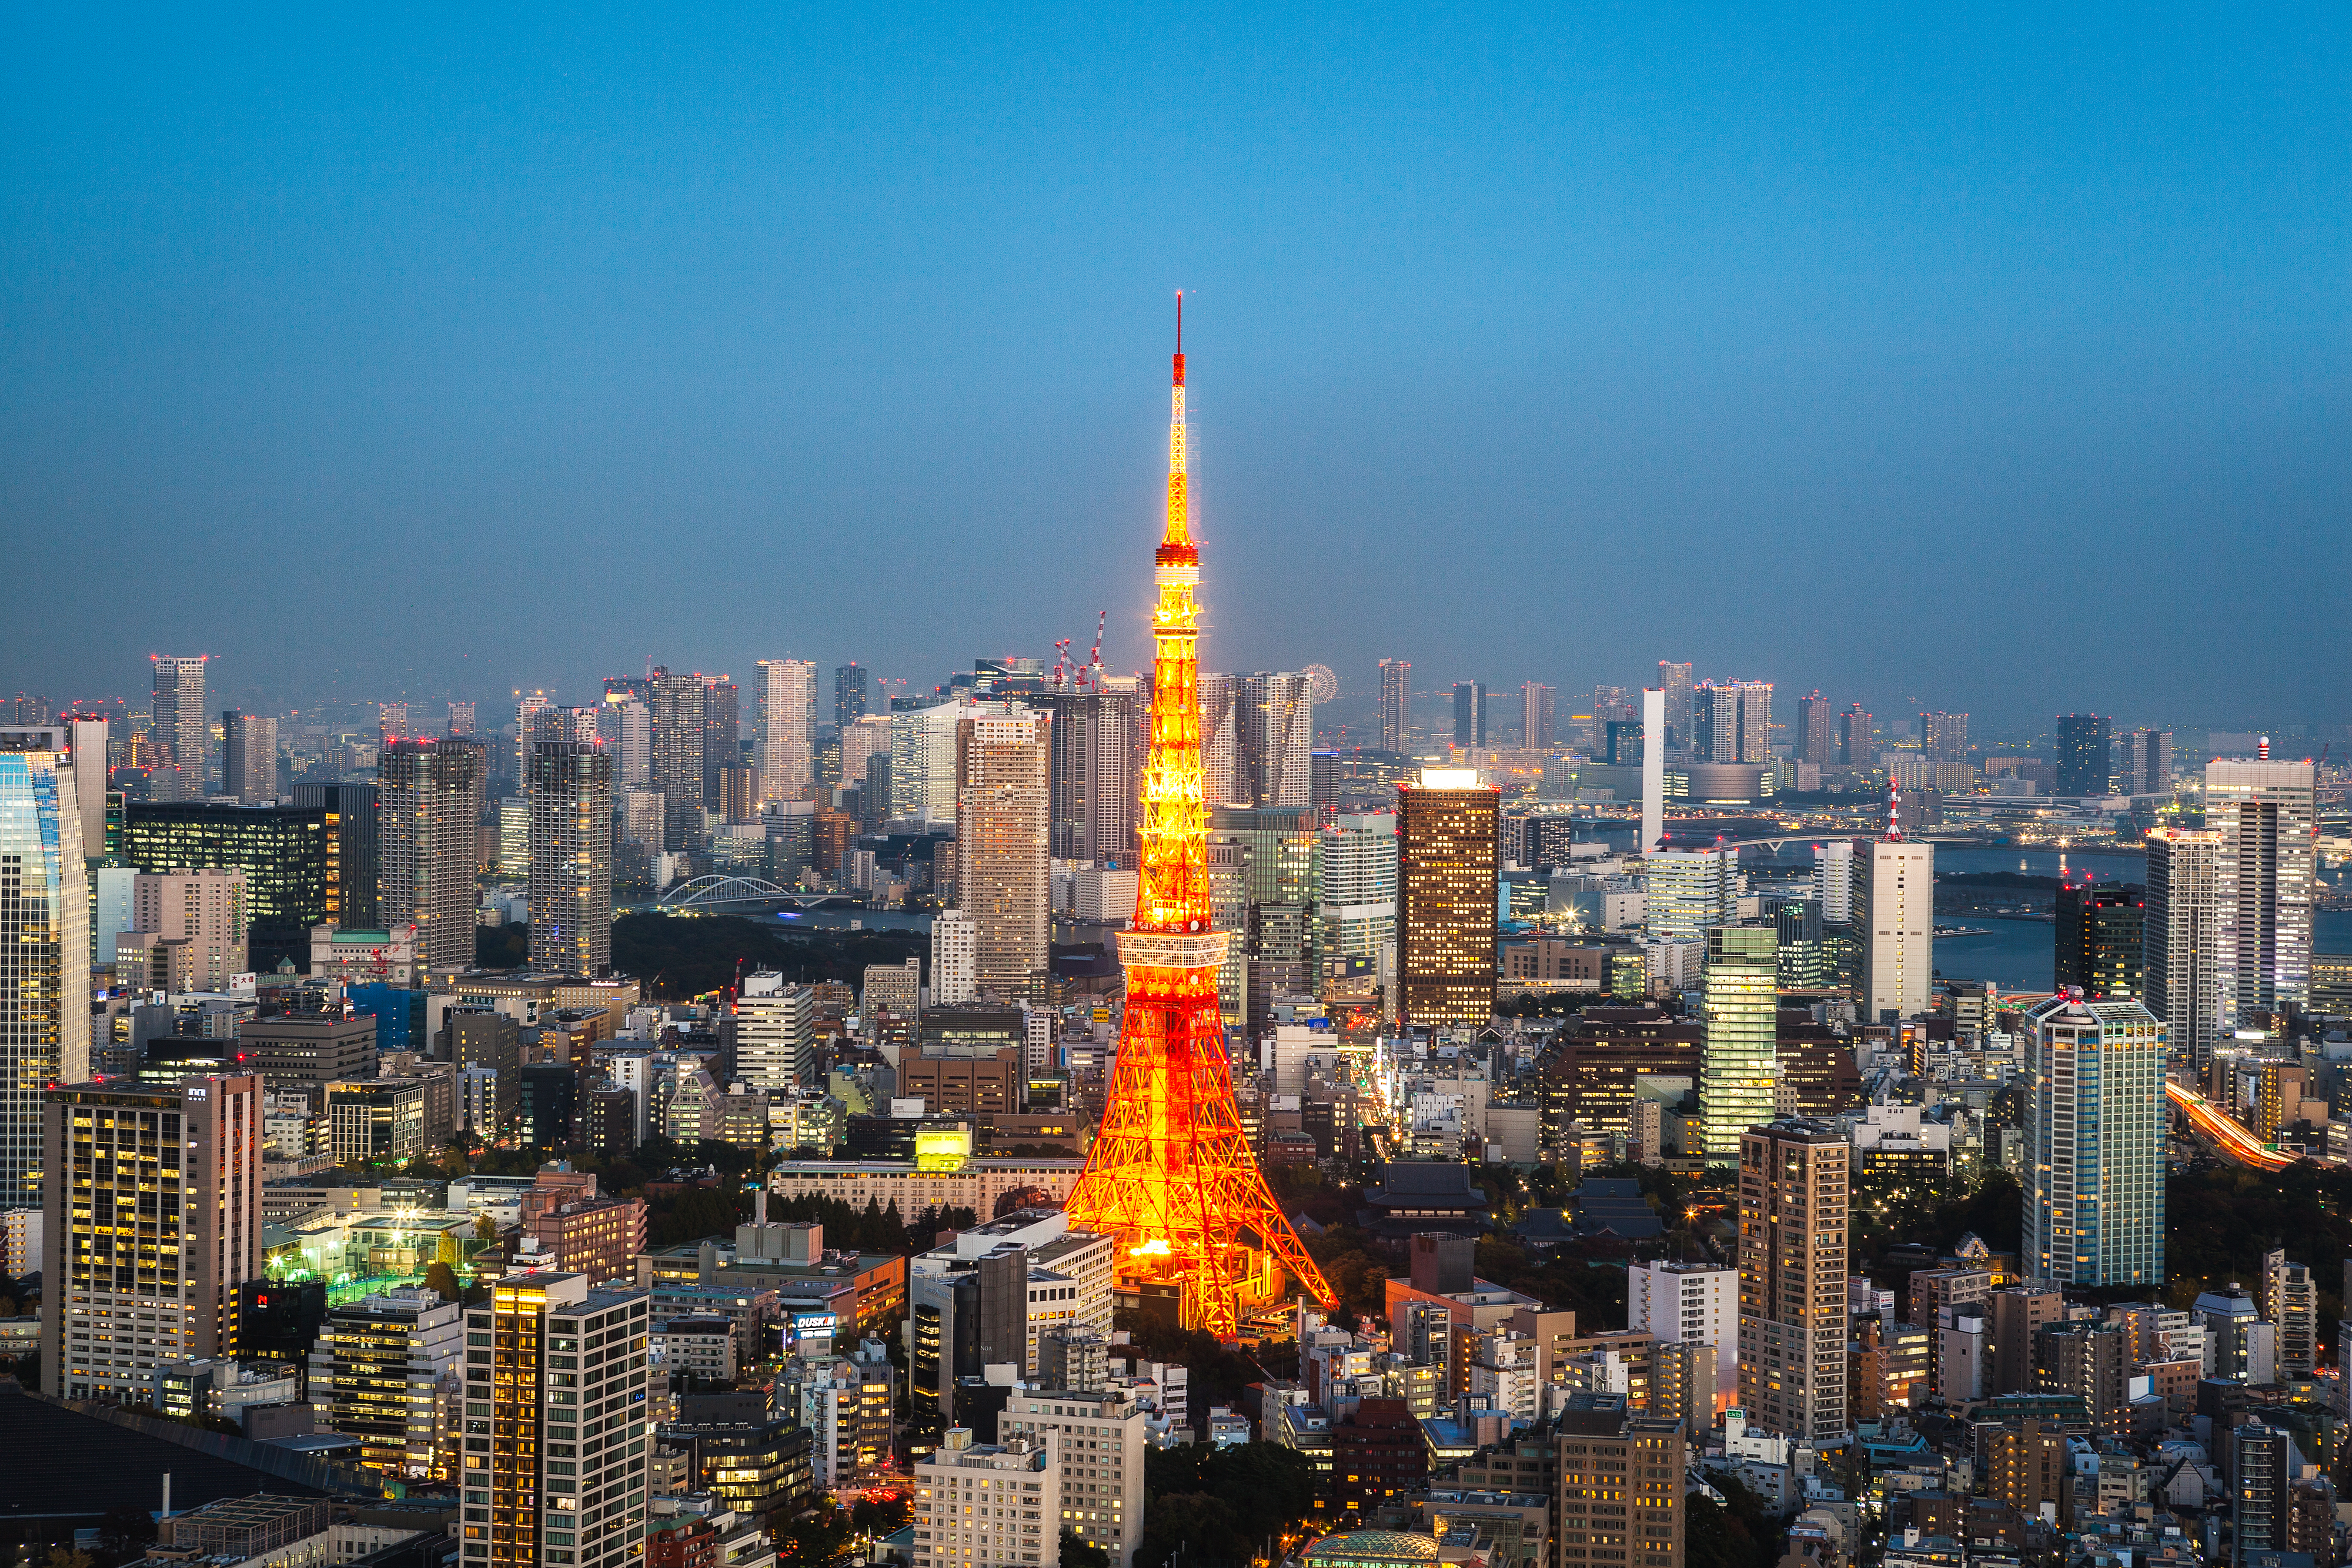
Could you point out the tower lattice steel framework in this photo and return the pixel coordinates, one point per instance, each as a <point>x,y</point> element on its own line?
<point>1171,1176</point>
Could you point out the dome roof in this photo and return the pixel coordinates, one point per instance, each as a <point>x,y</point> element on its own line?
<point>1391,1545</point>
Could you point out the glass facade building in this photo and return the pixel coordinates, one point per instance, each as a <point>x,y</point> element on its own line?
<point>43,959</point>
<point>1741,1064</point>
<point>2085,760</point>
<point>2096,1119</point>
<point>296,875</point>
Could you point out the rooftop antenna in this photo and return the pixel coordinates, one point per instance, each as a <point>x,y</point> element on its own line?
<point>1893,813</point>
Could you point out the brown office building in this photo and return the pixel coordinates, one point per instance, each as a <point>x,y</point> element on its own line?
<point>1447,875</point>
<point>306,1050</point>
<point>959,1081</point>
<point>1378,1456</point>
<point>1618,1503</point>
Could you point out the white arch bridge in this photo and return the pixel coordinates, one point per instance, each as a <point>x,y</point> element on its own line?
<point>725,891</point>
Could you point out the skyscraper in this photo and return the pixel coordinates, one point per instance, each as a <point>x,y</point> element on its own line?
<point>187,931</point>
<point>44,960</point>
<point>1535,715</point>
<point>571,853</point>
<point>1944,737</point>
<point>1396,704</point>
<point>1274,721</point>
<point>1794,1204</point>
<point>775,1033</point>
<point>2099,938</point>
<point>1096,779</point>
<point>2084,765</point>
<point>249,756</point>
<point>678,725</point>
<point>2143,762</point>
<point>461,718</point>
<point>1731,721</point>
<point>787,749</point>
<point>2266,814</point>
<point>625,726</point>
<point>429,801</point>
<point>152,1222</point>
<point>1816,730</point>
<point>1447,876</point>
<point>849,704</point>
<point>1689,892</point>
<point>528,707</point>
<point>1675,680</point>
<point>1856,746</point>
<point>1469,713</point>
<point>1356,887</point>
<point>1002,811</point>
<point>180,727</point>
<point>2180,939</point>
<point>1222,776</point>
<point>354,858</point>
<point>1897,920</point>
<point>722,735</point>
<point>1740,1067</point>
<point>2096,1119</point>
<point>553,1478</point>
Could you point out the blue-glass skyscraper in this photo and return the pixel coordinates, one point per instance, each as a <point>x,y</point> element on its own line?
<point>44,952</point>
<point>2095,1121</point>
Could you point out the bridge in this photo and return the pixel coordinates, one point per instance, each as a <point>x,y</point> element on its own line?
<point>728,892</point>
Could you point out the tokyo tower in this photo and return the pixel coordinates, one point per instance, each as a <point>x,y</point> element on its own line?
<point>1171,1176</point>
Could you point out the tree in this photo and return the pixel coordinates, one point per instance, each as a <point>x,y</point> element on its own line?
<point>442,1279</point>
<point>1078,1553</point>
<point>1204,1526</point>
<point>484,1228</point>
<point>126,1532</point>
<point>64,1556</point>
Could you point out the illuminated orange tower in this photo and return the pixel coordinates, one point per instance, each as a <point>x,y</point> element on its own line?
<point>1170,1175</point>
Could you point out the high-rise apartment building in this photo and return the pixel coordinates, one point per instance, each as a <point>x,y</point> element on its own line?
<point>625,726</point>
<point>570,856</point>
<point>387,1369</point>
<point>1731,721</point>
<point>1897,924</point>
<point>955,957</point>
<point>2085,763</point>
<point>775,1033</point>
<point>1221,740</point>
<point>1685,1303</point>
<point>678,708</point>
<point>1857,745</point>
<point>1740,1068</point>
<point>187,931</point>
<point>1396,704</point>
<point>1816,730</point>
<point>1690,892</point>
<point>849,698</point>
<point>1675,680</point>
<point>1355,887</point>
<point>550,1480</point>
<point>2291,1301</point>
<point>2267,815</point>
<point>528,705</point>
<point>1944,737</point>
<point>1794,1201</point>
<point>1262,889</point>
<point>2100,939</point>
<point>1469,713</point>
<point>150,1219</point>
<point>2143,762</point>
<point>1099,1440</point>
<point>180,730</point>
<point>988,1505</point>
<point>1536,715</point>
<point>2095,1121</point>
<point>1447,876</point>
<point>1275,723</point>
<point>787,748</point>
<point>722,735</point>
<point>1002,809</point>
<point>249,756</point>
<point>1096,779</point>
<point>429,804</point>
<point>2180,939</point>
<point>44,961</point>
<point>461,718</point>
<point>1833,880</point>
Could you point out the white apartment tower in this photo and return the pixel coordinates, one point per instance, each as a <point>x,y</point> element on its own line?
<point>2180,935</point>
<point>787,748</point>
<point>1690,1304</point>
<point>1898,922</point>
<point>1099,1439</point>
<point>180,728</point>
<point>187,931</point>
<point>2266,814</point>
<point>955,957</point>
<point>986,1506</point>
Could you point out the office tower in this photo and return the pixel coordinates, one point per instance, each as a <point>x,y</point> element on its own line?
<point>1731,721</point>
<point>2100,937</point>
<point>1275,735</point>
<point>2266,814</point>
<point>353,851</point>
<point>1262,891</point>
<point>1469,713</point>
<point>1003,807</point>
<point>1816,730</point>
<point>1675,680</point>
<point>570,858</point>
<point>775,1033</point>
<point>1857,746</point>
<point>1802,946</point>
<point>1690,892</point>
<point>429,801</point>
<point>1221,740</point>
<point>986,1505</point>
<point>479,1039</point>
<point>625,726</point>
<point>1689,1302</point>
<point>461,718</point>
<point>1094,778</point>
<point>1944,737</point>
<point>134,1279</point>
<point>187,931</point>
<point>1535,715</point>
<point>2143,762</point>
<point>1619,1502</point>
<point>1793,1208</point>
<point>528,705</point>
<point>955,957</point>
<point>2095,1123</point>
<point>922,745</point>
<point>849,704</point>
<point>787,748</point>
<point>1170,1179</point>
<point>387,1369</point>
<point>1447,878</point>
<point>1654,769</point>
<point>678,732</point>
<point>550,1482</point>
<point>1099,1440</point>
<point>179,733</point>
<point>1355,887</point>
<point>722,734</point>
<point>1396,704</point>
<point>2084,765</point>
<point>294,864</point>
<point>1740,1068</point>
<point>1896,917</point>
<point>248,757</point>
<point>44,962</point>
<point>2180,936</point>
<point>877,734</point>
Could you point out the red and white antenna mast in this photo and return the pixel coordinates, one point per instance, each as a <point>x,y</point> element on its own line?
<point>1893,813</point>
